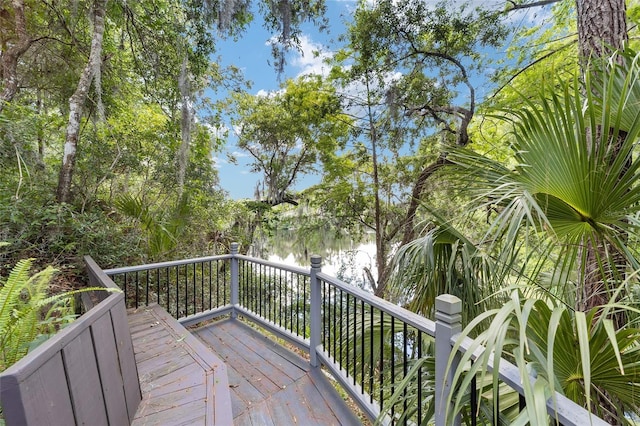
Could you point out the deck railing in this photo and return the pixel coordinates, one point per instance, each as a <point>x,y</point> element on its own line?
<point>372,347</point>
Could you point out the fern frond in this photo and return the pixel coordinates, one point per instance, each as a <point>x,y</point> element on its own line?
<point>20,334</point>
<point>10,292</point>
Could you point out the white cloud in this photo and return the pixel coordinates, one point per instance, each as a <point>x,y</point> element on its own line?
<point>310,58</point>
<point>218,162</point>
<point>239,154</point>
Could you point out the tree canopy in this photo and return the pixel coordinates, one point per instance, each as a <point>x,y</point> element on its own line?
<point>491,152</point>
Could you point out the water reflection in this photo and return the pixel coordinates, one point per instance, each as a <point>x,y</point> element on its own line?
<point>343,255</point>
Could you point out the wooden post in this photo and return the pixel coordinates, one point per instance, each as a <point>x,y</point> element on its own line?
<point>315,317</point>
<point>235,280</point>
<point>448,323</point>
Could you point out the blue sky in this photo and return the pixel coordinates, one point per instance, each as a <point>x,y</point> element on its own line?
<point>252,54</point>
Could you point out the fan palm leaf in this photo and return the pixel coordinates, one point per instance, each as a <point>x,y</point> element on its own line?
<point>566,187</point>
<point>579,355</point>
<point>566,208</point>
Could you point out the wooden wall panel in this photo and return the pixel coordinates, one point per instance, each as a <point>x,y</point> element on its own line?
<point>128,366</point>
<point>45,395</point>
<point>84,381</point>
<point>108,363</point>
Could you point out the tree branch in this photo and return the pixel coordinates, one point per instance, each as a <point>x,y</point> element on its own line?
<point>516,6</point>
<point>418,188</point>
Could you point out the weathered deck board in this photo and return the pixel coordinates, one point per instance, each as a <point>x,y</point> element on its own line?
<point>181,380</point>
<point>271,385</point>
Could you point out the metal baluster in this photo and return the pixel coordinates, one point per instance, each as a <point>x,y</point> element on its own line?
<point>258,289</point>
<point>224,283</point>
<point>419,420</point>
<point>193,282</point>
<point>298,304</point>
<point>146,298</point>
<point>186,291</point>
<point>347,334</point>
<point>168,289</point>
<point>404,365</point>
<point>371,349</point>
<point>280,298</point>
<point>355,340</point>
<point>304,311</point>
<point>177,291</point>
<point>341,327</point>
<point>210,301</point>
<point>362,345</point>
<point>202,287</point>
<point>324,317</point>
<point>474,400</point>
<point>136,290</point>
<point>381,360</point>
<point>333,332</point>
<point>393,361</point>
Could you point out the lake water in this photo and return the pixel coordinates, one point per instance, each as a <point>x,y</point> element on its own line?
<point>343,256</point>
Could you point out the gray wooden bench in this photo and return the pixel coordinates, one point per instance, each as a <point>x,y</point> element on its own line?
<point>87,373</point>
<point>182,381</point>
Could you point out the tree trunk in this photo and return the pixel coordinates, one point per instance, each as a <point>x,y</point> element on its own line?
<point>76,103</point>
<point>11,54</point>
<point>602,29</point>
<point>185,124</point>
<point>416,195</point>
<point>381,242</point>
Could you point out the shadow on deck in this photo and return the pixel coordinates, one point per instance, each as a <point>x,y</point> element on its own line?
<point>271,385</point>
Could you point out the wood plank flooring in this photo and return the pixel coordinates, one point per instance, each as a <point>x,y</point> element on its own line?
<point>182,382</point>
<point>269,384</point>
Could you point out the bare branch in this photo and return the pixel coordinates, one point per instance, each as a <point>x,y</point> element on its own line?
<point>524,69</point>
<point>516,6</point>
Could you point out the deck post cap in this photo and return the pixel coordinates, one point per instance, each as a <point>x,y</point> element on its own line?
<point>316,261</point>
<point>448,304</point>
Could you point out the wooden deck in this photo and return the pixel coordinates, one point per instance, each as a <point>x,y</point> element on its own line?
<point>182,382</point>
<point>271,385</point>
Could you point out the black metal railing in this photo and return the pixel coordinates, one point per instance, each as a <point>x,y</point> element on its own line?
<point>182,288</point>
<point>277,294</point>
<point>372,347</point>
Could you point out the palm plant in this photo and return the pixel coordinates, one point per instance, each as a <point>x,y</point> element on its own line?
<point>580,355</point>
<point>444,261</point>
<point>566,218</point>
<point>160,228</point>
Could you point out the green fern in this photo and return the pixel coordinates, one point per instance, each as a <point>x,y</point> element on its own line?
<point>20,309</point>
<point>28,314</point>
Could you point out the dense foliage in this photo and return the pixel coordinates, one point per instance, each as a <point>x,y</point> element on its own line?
<point>490,160</point>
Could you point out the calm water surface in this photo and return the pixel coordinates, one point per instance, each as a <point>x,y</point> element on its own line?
<point>343,256</point>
